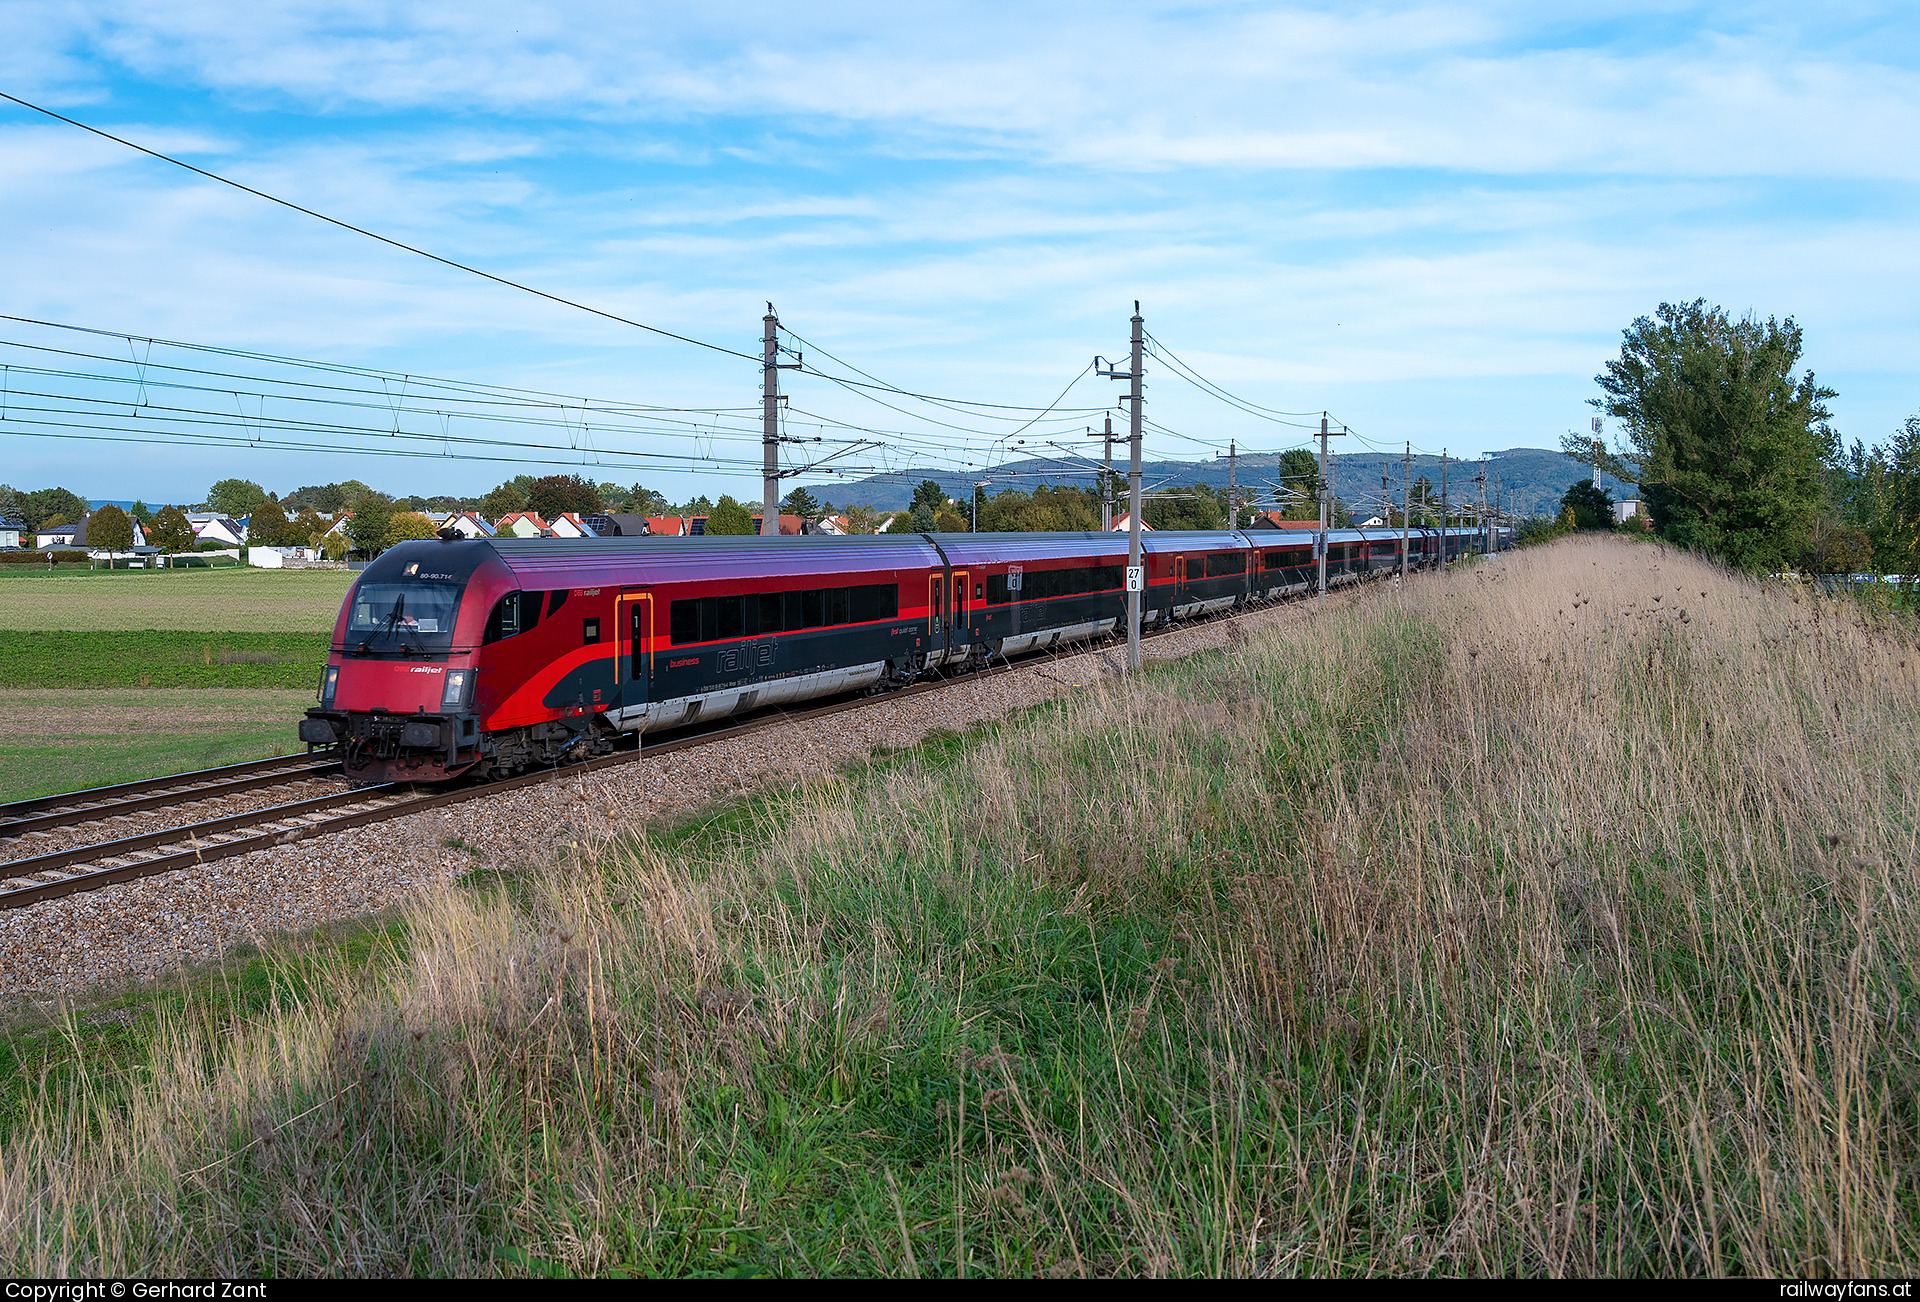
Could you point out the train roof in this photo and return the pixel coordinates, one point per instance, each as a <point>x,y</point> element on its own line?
<point>585,562</point>
<point>577,562</point>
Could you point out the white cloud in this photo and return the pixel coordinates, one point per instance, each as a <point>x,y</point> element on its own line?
<point>1097,86</point>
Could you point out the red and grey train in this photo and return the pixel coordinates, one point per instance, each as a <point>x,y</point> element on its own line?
<point>490,656</point>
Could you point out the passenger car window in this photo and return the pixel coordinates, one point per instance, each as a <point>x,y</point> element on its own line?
<point>683,622</point>
<point>506,621</point>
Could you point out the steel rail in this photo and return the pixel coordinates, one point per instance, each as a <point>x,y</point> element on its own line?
<point>77,815</point>
<point>200,847</point>
<point>18,809</point>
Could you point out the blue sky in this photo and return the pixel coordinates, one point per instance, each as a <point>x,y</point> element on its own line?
<point>1432,221</point>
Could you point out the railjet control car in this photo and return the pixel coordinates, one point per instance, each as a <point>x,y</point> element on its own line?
<point>490,656</point>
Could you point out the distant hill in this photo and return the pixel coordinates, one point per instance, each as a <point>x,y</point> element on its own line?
<point>1538,477</point>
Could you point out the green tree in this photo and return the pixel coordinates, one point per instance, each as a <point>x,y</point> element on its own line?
<point>329,499</point>
<point>403,526</point>
<point>142,513</point>
<point>1877,492</point>
<point>1048,509</point>
<point>921,519</point>
<point>555,495</point>
<point>949,521</point>
<point>12,506</point>
<point>641,500</point>
<point>1726,443</point>
<point>1197,506</point>
<point>235,497</point>
<point>268,527</point>
<point>863,520</point>
<point>929,495</point>
<point>729,517</point>
<point>170,531</point>
<point>306,529</point>
<point>503,501</point>
<point>1592,507</point>
<point>801,503</point>
<point>44,505</point>
<point>697,506</point>
<point>367,530</point>
<point>1300,482</point>
<point>109,529</point>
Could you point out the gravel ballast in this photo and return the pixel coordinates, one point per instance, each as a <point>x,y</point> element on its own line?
<point>141,929</point>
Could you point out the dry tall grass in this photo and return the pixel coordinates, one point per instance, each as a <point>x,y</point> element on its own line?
<point>1556,918</point>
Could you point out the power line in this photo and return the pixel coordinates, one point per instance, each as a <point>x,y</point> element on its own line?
<point>361,230</point>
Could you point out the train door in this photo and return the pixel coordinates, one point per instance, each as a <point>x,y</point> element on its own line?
<point>633,660</point>
<point>936,616</point>
<point>962,610</point>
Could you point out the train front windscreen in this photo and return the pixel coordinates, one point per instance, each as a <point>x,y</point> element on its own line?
<point>402,617</point>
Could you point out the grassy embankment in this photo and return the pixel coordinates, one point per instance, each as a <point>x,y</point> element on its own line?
<point>1551,918</point>
<point>68,639</point>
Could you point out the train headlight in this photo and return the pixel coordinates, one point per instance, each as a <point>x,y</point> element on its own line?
<point>456,689</point>
<point>328,683</point>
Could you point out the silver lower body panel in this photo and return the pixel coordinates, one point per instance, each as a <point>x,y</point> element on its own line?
<point>1207,607</point>
<point>1054,636</point>
<point>679,710</point>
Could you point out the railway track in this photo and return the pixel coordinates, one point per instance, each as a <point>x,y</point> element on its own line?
<point>76,808</point>
<point>28,881</point>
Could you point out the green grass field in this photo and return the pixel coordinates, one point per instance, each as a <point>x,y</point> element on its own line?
<point>52,741</point>
<point>217,601</point>
<point>78,646</point>
<point>165,659</point>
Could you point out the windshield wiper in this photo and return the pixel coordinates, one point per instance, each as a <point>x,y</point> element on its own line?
<point>394,625</point>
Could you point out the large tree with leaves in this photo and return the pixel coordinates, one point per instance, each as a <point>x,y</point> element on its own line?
<point>730,517</point>
<point>1197,506</point>
<point>367,530</point>
<point>268,527</point>
<point>45,506</point>
<point>109,529</point>
<point>801,503</point>
<point>170,531</point>
<point>1592,506</point>
<point>555,495</point>
<point>930,495</point>
<point>1725,441</point>
<point>1300,481</point>
<point>235,497</point>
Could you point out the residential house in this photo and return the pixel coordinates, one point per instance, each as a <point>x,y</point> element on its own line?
<point>467,525</point>
<point>10,533</point>
<point>72,535</point>
<point>210,526</point>
<point>834,524</point>
<point>568,524</point>
<point>1122,523</point>
<point>621,524</point>
<point>62,535</point>
<point>1275,520</point>
<point>1628,508</point>
<point>522,524</point>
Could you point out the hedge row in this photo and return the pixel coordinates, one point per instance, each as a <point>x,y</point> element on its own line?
<point>40,558</point>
